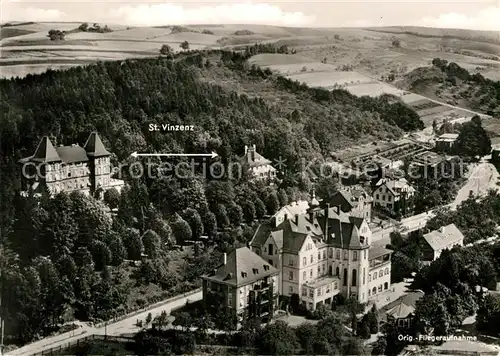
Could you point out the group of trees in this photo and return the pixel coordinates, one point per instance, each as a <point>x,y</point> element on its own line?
<point>476,218</point>
<point>327,337</point>
<point>473,141</point>
<point>84,27</point>
<point>482,94</point>
<point>56,35</point>
<point>69,251</point>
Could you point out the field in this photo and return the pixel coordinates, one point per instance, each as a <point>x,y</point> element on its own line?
<point>360,60</point>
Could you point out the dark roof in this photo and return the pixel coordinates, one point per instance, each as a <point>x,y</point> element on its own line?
<point>45,152</point>
<point>242,267</point>
<point>378,251</point>
<point>343,230</point>
<point>252,159</point>
<point>409,299</point>
<point>261,234</point>
<point>95,147</point>
<point>72,154</point>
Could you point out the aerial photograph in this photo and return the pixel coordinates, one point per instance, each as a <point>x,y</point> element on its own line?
<point>249,177</point>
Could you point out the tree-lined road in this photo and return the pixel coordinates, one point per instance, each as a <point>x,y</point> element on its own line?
<point>125,326</point>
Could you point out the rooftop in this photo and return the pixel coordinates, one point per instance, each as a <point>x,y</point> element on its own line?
<point>47,153</point>
<point>447,137</point>
<point>446,235</point>
<point>324,225</point>
<point>378,251</point>
<point>396,186</point>
<point>242,267</point>
<point>253,159</point>
<point>401,311</point>
<point>320,282</point>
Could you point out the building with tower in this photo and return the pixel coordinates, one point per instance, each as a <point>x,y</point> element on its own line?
<point>323,253</point>
<point>257,166</point>
<point>85,169</point>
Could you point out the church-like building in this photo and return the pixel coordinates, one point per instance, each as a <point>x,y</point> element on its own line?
<point>322,253</point>
<point>69,168</point>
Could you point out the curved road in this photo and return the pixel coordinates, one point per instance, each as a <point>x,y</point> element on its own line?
<point>126,326</point>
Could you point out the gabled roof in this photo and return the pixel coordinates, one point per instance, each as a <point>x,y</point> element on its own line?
<point>253,159</point>
<point>242,267</point>
<point>45,152</point>
<point>94,146</point>
<point>401,311</point>
<point>443,237</point>
<point>72,154</point>
<point>396,186</point>
<point>343,230</point>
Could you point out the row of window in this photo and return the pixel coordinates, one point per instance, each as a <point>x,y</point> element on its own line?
<point>389,197</point>
<point>373,291</point>
<point>355,256</point>
<point>310,291</point>
<point>380,274</point>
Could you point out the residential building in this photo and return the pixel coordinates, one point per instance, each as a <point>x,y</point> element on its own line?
<point>243,284</point>
<point>323,253</point>
<point>446,142</point>
<point>354,200</point>
<point>394,194</point>
<point>69,168</point>
<point>256,165</point>
<point>443,239</point>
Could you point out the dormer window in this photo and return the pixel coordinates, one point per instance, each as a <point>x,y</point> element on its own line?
<point>255,271</point>
<point>266,268</point>
<point>244,274</point>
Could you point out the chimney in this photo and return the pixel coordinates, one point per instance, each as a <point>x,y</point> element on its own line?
<point>254,148</point>
<point>225,258</point>
<point>253,153</point>
<point>441,229</point>
<point>327,215</point>
<point>296,219</point>
<point>246,149</point>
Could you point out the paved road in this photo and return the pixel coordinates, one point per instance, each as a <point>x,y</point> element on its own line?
<point>125,326</point>
<point>483,177</point>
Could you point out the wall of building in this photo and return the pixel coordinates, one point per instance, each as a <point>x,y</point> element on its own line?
<point>379,278</point>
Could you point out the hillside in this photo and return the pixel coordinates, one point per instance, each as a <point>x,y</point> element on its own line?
<point>27,49</point>
<point>448,82</point>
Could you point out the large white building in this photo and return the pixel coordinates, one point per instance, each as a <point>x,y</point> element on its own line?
<point>69,168</point>
<point>322,253</point>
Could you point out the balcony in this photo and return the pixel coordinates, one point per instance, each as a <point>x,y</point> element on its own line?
<point>379,262</point>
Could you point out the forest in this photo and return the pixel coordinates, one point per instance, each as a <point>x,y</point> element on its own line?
<point>65,256</point>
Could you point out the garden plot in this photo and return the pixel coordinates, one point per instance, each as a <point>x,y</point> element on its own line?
<point>413,98</point>
<point>373,89</point>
